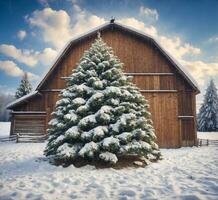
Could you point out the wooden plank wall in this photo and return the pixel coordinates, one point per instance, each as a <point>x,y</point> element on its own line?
<point>187,109</point>
<point>164,110</point>
<point>155,82</point>
<point>29,124</point>
<point>138,57</point>
<point>34,104</point>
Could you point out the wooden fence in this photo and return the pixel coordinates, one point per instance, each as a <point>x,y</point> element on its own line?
<point>24,138</point>
<point>31,138</point>
<point>8,139</point>
<point>207,142</point>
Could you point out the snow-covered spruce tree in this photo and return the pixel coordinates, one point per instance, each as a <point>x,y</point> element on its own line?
<point>101,115</point>
<point>208,113</point>
<point>24,87</point>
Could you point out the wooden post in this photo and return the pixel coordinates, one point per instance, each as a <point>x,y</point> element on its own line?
<point>207,142</point>
<point>200,142</point>
<point>17,137</point>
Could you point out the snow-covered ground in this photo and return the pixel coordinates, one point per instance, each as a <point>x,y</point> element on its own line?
<point>185,173</point>
<point>4,129</point>
<point>208,135</point>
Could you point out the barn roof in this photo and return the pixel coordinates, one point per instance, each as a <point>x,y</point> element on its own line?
<point>134,31</point>
<point>107,25</point>
<point>22,99</point>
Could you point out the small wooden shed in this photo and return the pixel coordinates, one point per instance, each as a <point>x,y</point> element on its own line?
<point>171,90</point>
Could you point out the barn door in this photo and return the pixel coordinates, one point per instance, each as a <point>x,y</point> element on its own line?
<point>29,125</point>
<point>164,112</point>
<point>187,128</point>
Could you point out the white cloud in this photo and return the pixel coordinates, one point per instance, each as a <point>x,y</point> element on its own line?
<point>49,21</point>
<point>11,69</point>
<point>174,44</point>
<point>84,20</point>
<point>23,56</point>
<point>201,70</point>
<point>47,56</point>
<point>43,3</point>
<point>56,27</point>
<point>213,39</point>
<point>7,90</point>
<point>133,22</point>
<point>85,23</point>
<point>21,34</point>
<point>149,14</point>
<point>29,57</point>
<point>176,47</point>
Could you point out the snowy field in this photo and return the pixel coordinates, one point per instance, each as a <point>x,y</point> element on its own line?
<point>185,173</point>
<point>4,129</point>
<point>208,135</point>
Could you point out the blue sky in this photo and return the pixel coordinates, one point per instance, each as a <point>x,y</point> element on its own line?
<point>29,40</point>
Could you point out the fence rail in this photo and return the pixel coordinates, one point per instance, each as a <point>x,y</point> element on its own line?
<point>9,138</point>
<point>207,142</point>
<point>28,137</point>
<point>24,138</point>
<point>31,138</point>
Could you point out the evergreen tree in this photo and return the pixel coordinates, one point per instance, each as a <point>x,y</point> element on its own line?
<point>208,113</point>
<point>24,87</point>
<point>101,114</point>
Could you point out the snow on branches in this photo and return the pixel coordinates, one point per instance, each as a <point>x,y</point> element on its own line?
<point>208,113</point>
<point>101,115</point>
<point>24,88</point>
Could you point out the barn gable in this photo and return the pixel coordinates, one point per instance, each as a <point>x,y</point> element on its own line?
<point>184,73</point>
<point>168,87</point>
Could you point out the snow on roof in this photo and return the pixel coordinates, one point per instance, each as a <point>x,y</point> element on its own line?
<point>17,101</point>
<point>179,67</point>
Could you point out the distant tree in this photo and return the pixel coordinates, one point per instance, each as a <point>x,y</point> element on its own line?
<point>24,88</point>
<point>4,100</point>
<point>208,113</point>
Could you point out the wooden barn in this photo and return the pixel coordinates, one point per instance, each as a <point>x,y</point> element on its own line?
<point>169,88</point>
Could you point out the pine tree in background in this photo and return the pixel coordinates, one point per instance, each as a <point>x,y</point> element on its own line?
<point>24,87</point>
<point>101,115</point>
<point>208,113</point>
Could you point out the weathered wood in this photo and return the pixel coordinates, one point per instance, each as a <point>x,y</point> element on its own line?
<point>163,108</point>
<point>29,124</point>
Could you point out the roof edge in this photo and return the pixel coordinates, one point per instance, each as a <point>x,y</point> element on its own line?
<point>20,100</point>
<point>178,66</point>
